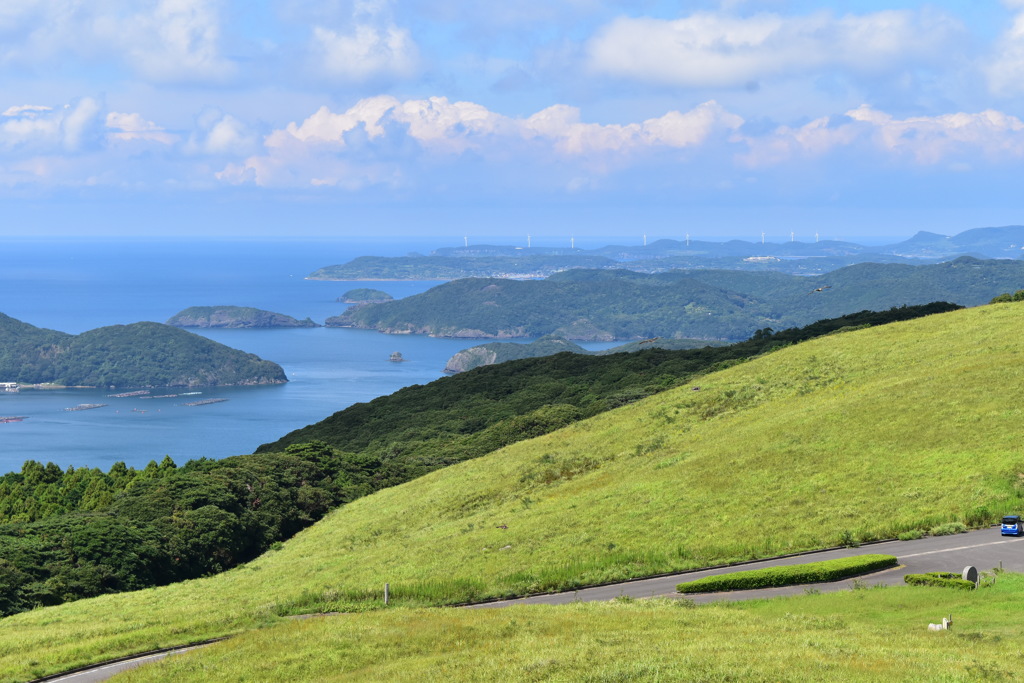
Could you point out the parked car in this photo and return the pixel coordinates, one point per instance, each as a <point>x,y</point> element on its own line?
<point>1012,526</point>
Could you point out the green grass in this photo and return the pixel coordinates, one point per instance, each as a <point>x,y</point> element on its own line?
<point>863,435</point>
<point>870,635</point>
<point>790,575</point>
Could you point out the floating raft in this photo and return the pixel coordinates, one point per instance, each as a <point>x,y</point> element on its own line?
<point>205,402</point>
<point>161,396</point>
<point>12,418</point>
<point>86,406</point>
<point>127,394</point>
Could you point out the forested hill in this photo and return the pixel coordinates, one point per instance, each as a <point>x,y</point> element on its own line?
<point>136,355</point>
<point>707,304</point>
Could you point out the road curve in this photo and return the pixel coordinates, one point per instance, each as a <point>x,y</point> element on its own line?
<point>984,549</point>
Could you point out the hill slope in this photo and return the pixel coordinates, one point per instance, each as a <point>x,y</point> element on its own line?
<point>860,435</point>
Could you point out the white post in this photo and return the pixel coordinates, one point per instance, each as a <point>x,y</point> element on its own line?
<point>387,593</point>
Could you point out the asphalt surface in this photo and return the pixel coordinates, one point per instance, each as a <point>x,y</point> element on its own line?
<point>984,549</point>
<point>102,672</point>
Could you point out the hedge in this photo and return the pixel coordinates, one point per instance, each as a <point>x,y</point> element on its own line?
<point>942,579</point>
<point>813,572</point>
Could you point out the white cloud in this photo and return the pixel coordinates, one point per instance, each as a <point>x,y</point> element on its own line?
<point>1005,71</point>
<point>924,140</point>
<point>446,129</point>
<point>35,128</point>
<point>372,47</point>
<point>27,110</point>
<point>176,40</point>
<point>221,134</point>
<point>161,40</point>
<point>130,127</point>
<point>706,49</point>
<point>933,139</point>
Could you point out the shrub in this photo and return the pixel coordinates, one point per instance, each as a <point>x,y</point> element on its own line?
<point>948,529</point>
<point>812,572</point>
<point>942,579</point>
<point>911,535</point>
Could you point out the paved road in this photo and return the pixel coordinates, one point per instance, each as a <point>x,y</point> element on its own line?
<point>983,549</point>
<point>102,672</point>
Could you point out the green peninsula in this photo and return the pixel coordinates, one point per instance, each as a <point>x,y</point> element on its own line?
<point>607,305</point>
<point>234,317</point>
<point>455,267</point>
<point>138,355</point>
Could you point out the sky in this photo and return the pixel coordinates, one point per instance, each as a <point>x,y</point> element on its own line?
<point>442,120</point>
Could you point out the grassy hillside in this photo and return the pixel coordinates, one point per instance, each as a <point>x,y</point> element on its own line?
<point>827,637</point>
<point>860,435</point>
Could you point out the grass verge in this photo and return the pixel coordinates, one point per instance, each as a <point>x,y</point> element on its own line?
<point>862,635</point>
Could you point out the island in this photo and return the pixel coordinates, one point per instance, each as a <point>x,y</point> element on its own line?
<point>364,295</point>
<point>143,354</point>
<point>234,317</point>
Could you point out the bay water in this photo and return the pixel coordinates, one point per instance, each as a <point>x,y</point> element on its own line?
<point>77,285</point>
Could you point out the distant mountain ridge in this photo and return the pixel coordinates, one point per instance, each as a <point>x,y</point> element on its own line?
<point>802,258</point>
<point>136,355</point>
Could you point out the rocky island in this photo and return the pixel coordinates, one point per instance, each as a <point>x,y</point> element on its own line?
<point>234,317</point>
<point>364,295</point>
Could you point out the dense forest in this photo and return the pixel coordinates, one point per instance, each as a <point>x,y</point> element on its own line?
<point>67,534</point>
<point>702,304</point>
<point>137,355</point>
<point>81,532</point>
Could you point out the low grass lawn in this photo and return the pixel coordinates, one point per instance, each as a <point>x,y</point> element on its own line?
<point>874,634</point>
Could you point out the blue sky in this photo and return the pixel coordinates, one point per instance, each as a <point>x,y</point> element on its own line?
<point>606,119</point>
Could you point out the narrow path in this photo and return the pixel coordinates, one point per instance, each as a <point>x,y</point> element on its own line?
<point>984,549</point>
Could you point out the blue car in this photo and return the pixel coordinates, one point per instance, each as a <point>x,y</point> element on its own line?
<point>1012,526</point>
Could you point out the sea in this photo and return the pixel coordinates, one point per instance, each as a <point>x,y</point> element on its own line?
<point>74,285</point>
